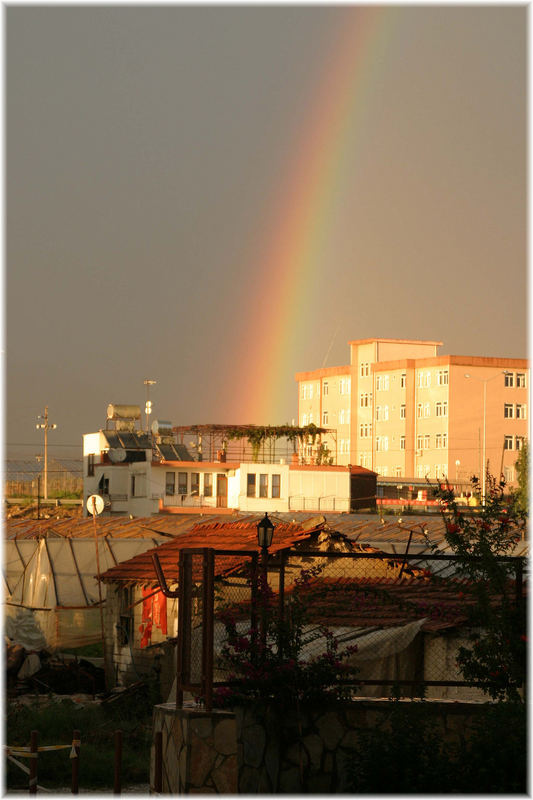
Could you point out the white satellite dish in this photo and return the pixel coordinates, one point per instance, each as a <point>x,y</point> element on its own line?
<point>95,504</point>
<point>116,455</point>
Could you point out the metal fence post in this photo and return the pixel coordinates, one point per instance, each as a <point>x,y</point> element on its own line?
<point>118,761</point>
<point>158,762</point>
<point>208,626</point>
<point>76,763</point>
<point>34,741</point>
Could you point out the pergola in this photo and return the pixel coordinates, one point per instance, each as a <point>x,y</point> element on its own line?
<point>263,443</point>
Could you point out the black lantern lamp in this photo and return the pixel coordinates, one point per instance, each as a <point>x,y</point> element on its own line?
<point>265,532</point>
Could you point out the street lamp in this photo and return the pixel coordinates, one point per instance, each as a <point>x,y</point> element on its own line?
<point>484,381</point>
<point>148,407</point>
<point>265,532</point>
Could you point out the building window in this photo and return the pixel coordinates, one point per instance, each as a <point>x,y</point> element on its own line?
<point>521,411</point>
<point>379,412</point>
<point>365,400</point>
<point>519,442</point>
<point>325,388</point>
<point>442,377</point>
<point>422,441</point>
<point>365,430</point>
<point>403,380</point>
<point>365,459</point>
<point>441,408</point>
<point>384,471</point>
<point>508,443</point>
<point>250,485</point>
<point>382,383</point>
<point>304,420</point>
<point>195,483</point>
<point>170,483</point>
<point>508,411</point>
<point>364,369</point>
<point>382,443</point>
<point>182,483</point>
<point>426,410</point>
<point>310,417</point>
<point>521,380</point>
<point>402,442</point>
<point>397,472</point>
<point>419,409</point>
<point>325,418</point>
<point>402,411</point>
<point>423,379</point>
<point>509,379</point>
<point>508,474</point>
<point>341,416</point>
<point>276,484</point>
<point>90,465</point>
<point>304,391</point>
<point>208,484</point>
<point>263,485</point>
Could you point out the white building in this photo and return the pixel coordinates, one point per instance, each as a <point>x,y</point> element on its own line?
<point>141,474</point>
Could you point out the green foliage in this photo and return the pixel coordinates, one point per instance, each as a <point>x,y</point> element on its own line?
<point>55,722</point>
<point>482,543</point>
<point>257,435</point>
<point>522,469</point>
<point>268,669</point>
<point>407,753</point>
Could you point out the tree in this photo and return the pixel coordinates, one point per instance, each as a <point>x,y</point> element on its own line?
<point>522,469</point>
<point>483,543</point>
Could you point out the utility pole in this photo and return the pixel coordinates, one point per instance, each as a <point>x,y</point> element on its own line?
<point>45,426</point>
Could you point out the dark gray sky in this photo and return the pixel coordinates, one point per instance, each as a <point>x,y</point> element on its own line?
<point>147,154</point>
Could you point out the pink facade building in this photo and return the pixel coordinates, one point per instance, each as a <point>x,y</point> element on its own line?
<point>404,411</point>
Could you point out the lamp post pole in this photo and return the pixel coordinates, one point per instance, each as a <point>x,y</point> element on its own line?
<point>484,381</point>
<point>265,532</point>
<point>148,407</point>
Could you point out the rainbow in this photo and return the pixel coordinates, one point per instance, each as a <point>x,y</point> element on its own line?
<point>303,216</point>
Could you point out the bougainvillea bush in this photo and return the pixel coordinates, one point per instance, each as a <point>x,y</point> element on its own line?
<point>266,663</point>
<point>483,543</point>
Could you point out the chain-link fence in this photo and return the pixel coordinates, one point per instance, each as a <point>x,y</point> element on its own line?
<point>398,621</point>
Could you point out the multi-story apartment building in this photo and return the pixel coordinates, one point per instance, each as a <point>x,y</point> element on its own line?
<point>402,410</point>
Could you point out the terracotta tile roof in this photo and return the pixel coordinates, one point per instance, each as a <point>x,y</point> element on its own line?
<point>241,535</point>
<point>385,602</point>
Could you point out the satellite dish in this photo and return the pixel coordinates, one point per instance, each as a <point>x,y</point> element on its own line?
<point>117,454</point>
<point>95,504</point>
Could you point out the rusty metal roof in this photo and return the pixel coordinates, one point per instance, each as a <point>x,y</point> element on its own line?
<point>241,535</point>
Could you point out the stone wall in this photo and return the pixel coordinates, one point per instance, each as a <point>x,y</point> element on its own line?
<point>199,750</point>
<point>224,752</point>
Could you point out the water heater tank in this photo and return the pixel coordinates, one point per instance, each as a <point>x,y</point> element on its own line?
<point>161,427</point>
<point>116,411</point>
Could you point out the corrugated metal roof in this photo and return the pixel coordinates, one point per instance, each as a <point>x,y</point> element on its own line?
<point>241,535</point>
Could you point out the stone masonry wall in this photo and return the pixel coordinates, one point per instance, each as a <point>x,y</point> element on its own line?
<point>227,753</point>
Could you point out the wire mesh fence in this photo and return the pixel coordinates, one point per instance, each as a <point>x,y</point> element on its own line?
<point>399,620</point>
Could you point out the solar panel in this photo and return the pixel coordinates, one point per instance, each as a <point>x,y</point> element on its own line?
<point>112,439</point>
<point>182,453</point>
<point>128,440</point>
<point>167,452</point>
